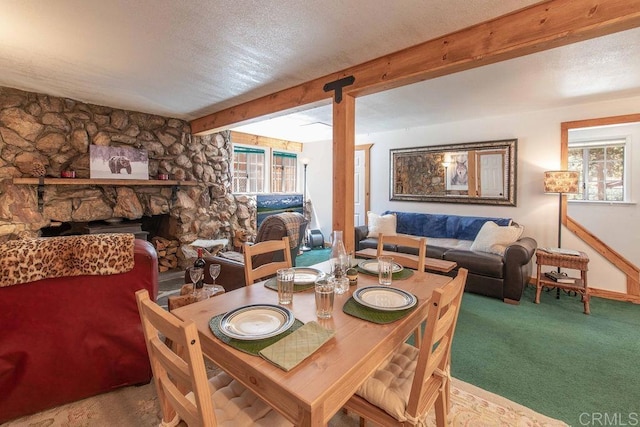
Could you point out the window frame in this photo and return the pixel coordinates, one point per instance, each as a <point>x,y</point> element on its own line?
<point>288,178</point>
<point>238,148</point>
<point>268,172</point>
<point>601,143</point>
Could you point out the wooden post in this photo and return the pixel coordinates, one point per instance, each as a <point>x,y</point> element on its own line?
<point>343,168</point>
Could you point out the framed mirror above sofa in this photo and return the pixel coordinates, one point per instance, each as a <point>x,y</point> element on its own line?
<point>476,172</point>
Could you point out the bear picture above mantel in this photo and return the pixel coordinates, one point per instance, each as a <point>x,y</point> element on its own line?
<point>118,162</point>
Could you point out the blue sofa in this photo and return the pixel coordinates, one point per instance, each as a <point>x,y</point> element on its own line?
<point>450,237</point>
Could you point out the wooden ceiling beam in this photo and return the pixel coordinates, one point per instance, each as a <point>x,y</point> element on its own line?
<point>542,26</point>
<point>264,141</point>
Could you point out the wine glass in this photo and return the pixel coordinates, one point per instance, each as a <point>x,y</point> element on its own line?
<point>214,271</point>
<point>195,273</point>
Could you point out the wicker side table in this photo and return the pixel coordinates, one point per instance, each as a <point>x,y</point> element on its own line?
<point>573,262</point>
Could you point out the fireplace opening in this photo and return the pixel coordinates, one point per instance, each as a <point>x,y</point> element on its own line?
<point>145,228</point>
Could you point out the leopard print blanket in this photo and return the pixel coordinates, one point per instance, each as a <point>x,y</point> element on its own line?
<point>28,260</point>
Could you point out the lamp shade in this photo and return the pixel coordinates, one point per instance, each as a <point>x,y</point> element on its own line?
<point>561,181</point>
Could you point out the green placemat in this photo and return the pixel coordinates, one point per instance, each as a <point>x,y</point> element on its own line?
<point>273,285</point>
<point>251,347</point>
<point>405,273</point>
<point>351,307</point>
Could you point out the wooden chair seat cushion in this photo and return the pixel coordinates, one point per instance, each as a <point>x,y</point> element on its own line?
<point>389,387</point>
<point>234,405</point>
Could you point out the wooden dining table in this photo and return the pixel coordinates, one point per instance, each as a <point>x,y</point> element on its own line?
<point>312,392</point>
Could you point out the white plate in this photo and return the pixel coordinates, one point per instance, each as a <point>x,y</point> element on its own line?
<point>306,276</point>
<point>384,298</point>
<point>256,322</point>
<point>371,265</point>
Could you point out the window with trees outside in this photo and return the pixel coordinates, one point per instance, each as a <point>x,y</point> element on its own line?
<point>283,172</point>
<point>248,170</point>
<point>602,170</point>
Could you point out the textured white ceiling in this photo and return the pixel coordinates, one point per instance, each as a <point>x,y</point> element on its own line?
<point>186,59</point>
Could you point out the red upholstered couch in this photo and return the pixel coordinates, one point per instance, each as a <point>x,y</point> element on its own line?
<point>65,339</point>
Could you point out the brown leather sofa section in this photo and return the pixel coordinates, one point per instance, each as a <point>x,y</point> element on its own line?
<point>232,271</point>
<point>503,277</point>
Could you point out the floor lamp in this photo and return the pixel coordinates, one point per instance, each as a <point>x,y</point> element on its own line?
<point>305,247</point>
<point>561,182</point>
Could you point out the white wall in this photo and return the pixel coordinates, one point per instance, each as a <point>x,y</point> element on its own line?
<point>538,135</point>
<point>320,185</point>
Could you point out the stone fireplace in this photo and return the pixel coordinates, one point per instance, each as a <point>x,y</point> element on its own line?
<point>42,136</point>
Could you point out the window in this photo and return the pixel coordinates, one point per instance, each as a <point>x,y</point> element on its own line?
<point>283,172</point>
<point>248,170</point>
<point>256,169</point>
<point>602,170</point>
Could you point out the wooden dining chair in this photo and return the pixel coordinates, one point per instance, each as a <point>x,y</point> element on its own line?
<point>269,269</point>
<point>392,399</point>
<point>407,260</point>
<point>184,391</point>
<point>404,259</point>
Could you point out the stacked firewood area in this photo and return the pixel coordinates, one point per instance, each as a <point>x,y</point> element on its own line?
<point>167,250</point>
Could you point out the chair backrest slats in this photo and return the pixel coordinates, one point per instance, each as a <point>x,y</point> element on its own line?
<point>435,351</point>
<point>406,260</point>
<point>176,367</point>
<point>252,274</point>
<point>443,326</point>
<point>176,373</point>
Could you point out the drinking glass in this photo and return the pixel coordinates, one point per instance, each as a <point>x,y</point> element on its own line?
<point>340,265</point>
<point>385,270</point>
<point>324,297</point>
<point>340,284</point>
<point>196,273</point>
<point>214,271</point>
<point>285,278</point>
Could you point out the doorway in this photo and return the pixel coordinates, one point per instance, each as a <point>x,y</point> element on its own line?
<point>361,197</point>
<point>491,174</point>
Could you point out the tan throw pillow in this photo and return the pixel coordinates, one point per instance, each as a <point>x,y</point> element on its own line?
<point>494,239</point>
<point>385,224</point>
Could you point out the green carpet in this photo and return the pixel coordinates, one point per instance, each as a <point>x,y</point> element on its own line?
<point>312,256</point>
<point>551,357</point>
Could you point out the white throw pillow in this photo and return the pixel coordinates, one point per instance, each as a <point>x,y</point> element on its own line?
<point>494,239</point>
<point>385,224</point>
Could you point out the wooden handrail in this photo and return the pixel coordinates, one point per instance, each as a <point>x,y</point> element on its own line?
<point>627,267</point>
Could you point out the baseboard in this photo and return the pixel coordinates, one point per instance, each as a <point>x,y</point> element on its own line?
<point>603,293</point>
<point>618,296</point>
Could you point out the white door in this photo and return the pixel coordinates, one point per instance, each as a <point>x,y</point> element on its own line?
<point>358,189</point>
<point>491,175</point>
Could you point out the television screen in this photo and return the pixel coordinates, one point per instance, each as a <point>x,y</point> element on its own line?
<point>273,203</point>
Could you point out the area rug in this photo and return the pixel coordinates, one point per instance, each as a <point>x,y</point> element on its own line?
<point>138,407</point>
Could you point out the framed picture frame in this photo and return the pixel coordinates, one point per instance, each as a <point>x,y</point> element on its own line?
<point>456,171</point>
<point>118,162</point>
<point>476,172</point>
